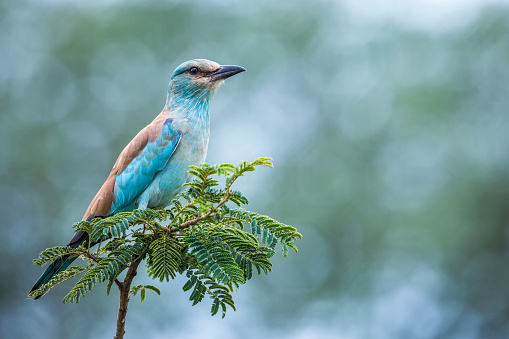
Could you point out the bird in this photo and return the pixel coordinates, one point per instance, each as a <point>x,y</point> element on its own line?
<point>152,168</point>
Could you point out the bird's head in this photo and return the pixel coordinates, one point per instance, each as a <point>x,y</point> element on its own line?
<point>199,79</point>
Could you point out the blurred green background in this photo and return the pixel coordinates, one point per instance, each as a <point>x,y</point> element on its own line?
<point>387,120</point>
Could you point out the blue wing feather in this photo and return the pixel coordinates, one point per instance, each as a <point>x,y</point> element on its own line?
<point>141,171</point>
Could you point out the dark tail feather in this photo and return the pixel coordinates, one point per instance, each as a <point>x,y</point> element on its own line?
<point>60,264</point>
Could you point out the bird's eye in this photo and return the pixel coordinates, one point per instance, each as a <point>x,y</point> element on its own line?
<point>193,70</point>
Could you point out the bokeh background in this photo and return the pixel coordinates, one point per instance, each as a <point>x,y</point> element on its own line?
<point>388,122</point>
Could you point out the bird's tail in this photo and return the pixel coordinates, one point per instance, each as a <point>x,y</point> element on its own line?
<point>60,264</point>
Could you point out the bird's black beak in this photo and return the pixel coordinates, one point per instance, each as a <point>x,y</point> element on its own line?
<point>226,71</point>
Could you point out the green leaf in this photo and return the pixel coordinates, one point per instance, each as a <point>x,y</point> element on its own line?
<point>51,254</point>
<point>143,291</point>
<point>153,288</point>
<point>215,253</point>
<point>135,289</point>
<point>215,259</point>
<point>165,255</point>
<point>58,279</point>
<point>205,285</point>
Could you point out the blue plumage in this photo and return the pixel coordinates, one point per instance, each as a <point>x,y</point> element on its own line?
<point>137,176</point>
<point>152,168</point>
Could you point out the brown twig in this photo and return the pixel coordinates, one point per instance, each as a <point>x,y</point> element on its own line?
<point>192,222</point>
<point>196,220</point>
<point>125,287</point>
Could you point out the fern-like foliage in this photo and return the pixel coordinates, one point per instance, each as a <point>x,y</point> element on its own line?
<point>143,291</point>
<point>102,269</point>
<point>51,254</point>
<point>165,255</point>
<point>69,273</point>
<point>201,285</point>
<point>217,246</point>
<point>215,260</point>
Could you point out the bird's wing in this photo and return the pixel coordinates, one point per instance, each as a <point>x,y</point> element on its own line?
<point>135,168</point>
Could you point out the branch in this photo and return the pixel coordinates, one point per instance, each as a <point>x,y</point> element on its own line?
<point>119,284</point>
<point>196,220</point>
<point>94,258</point>
<point>125,288</point>
<point>192,222</point>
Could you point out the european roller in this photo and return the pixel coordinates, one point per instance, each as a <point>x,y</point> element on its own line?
<point>152,168</point>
